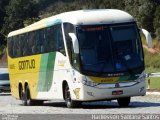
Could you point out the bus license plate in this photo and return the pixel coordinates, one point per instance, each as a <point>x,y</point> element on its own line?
<point>118,92</point>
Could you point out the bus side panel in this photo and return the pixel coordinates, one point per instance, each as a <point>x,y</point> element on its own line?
<point>43,73</point>
<point>24,70</point>
<point>59,74</point>
<point>46,72</point>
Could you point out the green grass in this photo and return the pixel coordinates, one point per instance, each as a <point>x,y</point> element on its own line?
<point>152,69</point>
<point>152,64</point>
<point>154,83</point>
<point>152,61</point>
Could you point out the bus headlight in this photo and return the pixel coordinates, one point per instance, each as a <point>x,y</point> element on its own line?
<point>141,79</point>
<point>87,82</point>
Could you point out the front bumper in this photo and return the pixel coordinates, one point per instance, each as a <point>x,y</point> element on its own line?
<point>88,93</point>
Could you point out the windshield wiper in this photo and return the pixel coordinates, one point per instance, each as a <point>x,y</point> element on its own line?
<point>102,69</point>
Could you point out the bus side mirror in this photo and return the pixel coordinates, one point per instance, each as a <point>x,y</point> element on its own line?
<point>74,42</point>
<point>148,37</point>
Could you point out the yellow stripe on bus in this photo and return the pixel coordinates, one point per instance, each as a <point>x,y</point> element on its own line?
<point>104,80</point>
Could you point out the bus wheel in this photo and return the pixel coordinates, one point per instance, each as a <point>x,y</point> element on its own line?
<point>23,97</point>
<point>69,102</point>
<point>28,99</point>
<point>124,102</point>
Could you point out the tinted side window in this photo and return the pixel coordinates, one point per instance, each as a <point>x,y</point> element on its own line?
<point>17,46</point>
<point>25,45</point>
<point>10,47</point>
<point>51,39</point>
<point>57,33</point>
<point>39,41</point>
<point>20,45</point>
<point>47,39</point>
<point>36,42</point>
<point>31,43</point>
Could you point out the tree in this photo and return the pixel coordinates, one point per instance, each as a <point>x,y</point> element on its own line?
<point>17,12</point>
<point>146,12</point>
<point>132,7</point>
<point>157,22</point>
<point>3,3</point>
<point>143,11</point>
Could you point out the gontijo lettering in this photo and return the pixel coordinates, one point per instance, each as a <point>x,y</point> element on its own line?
<point>26,64</point>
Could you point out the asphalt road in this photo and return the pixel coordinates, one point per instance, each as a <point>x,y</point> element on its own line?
<point>12,109</point>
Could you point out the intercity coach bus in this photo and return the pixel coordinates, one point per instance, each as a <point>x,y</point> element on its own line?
<point>77,56</point>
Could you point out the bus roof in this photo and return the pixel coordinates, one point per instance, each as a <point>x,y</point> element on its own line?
<point>80,17</point>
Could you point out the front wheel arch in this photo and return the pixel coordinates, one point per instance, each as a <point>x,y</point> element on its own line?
<point>67,97</point>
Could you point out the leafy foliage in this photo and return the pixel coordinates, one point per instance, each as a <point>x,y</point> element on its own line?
<point>17,12</point>
<point>3,4</point>
<point>157,22</point>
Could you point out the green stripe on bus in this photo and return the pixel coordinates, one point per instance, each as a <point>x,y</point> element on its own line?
<point>46,71</point>
<point>53,22</point>
<point>128,78</point>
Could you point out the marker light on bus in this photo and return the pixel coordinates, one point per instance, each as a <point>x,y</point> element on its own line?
<point>141,78</point>
<point>87,82</point>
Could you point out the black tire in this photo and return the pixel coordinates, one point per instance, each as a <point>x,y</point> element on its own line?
<point>69,102</point>
<point>26,98</point>
<point>30,101</point>
<point>23,97</point>
<point>124,102</point>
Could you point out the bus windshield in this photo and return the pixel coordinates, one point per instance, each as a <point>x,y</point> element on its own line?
<point>110,49</point>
